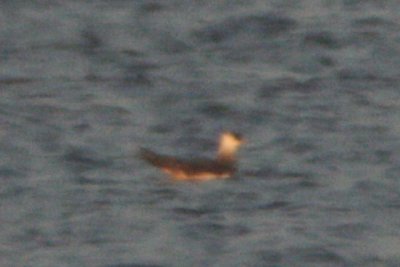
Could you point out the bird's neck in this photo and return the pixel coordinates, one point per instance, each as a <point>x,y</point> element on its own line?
<point>226,154</point>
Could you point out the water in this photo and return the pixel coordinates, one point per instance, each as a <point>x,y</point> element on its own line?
<point>312,85</point>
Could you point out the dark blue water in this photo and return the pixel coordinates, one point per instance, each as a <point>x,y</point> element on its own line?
<point>312,85</point>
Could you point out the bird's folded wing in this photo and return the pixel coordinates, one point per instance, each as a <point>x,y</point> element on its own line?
<point>160,161</point>
<point>186,166</point>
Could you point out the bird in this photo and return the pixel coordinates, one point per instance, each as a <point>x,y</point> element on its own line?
<point>201,169</point>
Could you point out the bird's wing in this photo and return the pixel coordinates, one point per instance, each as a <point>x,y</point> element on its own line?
<point>192,166</point>
<point>158,160</point>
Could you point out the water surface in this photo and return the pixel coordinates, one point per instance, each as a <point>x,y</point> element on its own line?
<point>312,85</point>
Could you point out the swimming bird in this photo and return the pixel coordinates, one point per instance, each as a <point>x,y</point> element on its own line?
<point>201,169</point>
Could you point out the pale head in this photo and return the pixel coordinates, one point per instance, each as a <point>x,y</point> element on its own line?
<point>229,143</point>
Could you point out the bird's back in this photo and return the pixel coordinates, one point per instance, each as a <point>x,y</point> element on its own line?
<point>200,169</point>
